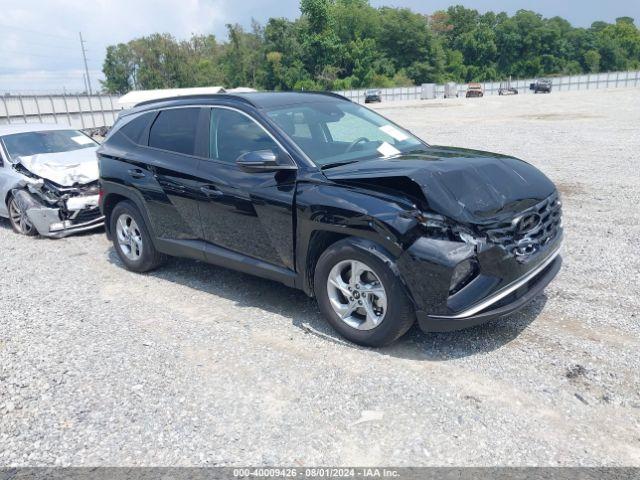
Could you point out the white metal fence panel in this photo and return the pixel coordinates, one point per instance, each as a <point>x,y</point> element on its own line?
<point>77,111</point>
<point>566,83</point>
<point>83,111</point>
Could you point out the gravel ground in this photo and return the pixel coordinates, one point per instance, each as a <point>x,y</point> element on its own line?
<point>197,365</point>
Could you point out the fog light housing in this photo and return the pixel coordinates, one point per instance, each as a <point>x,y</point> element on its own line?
<point>56,227</point>
<point>464,272</point>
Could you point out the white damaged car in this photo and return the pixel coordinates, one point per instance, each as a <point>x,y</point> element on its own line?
<point>48,180</point>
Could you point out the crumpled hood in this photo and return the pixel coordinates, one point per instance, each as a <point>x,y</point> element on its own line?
<point>465,185</point>
<point>64,168</point>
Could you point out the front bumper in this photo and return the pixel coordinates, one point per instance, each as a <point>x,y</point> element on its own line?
<point>80,215</point>
<point>503,282</point>
<point>47,222</point>
<point>511,298</point>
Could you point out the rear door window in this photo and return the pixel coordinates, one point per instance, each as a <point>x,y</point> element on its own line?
<point>175,130</point>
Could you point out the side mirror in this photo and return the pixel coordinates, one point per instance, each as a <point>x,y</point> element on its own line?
<point>264,161</point>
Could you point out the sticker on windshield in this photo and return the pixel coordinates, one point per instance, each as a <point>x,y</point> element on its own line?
<point>388,150</point>
<point>394,132</point>
<point>82,140</point>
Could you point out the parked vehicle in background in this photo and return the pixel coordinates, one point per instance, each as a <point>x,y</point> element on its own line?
<point>48,180</point>
<point>325,195</point>
<point>450,90</point>
<point>474,90</point>
<point>507,89</point>
<point>373,96</point>
<point>543,85</point>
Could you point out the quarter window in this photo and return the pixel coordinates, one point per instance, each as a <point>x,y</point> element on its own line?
<point>136,127</point>
<point>175,130</point>
<point>233,134</point>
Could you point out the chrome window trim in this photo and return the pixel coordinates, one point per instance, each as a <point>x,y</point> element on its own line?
<point>209,106</point>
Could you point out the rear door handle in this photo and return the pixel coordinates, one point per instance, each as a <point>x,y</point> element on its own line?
<point>137,173</point>
<point>211,191</point>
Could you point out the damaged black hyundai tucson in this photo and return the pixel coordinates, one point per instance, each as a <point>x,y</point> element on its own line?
<point>327,196</point>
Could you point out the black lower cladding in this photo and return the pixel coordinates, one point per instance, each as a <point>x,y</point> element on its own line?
<point>509,304</point>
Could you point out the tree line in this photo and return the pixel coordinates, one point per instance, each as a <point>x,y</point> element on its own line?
<point>344,44</point>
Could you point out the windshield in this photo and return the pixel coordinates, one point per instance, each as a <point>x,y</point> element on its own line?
<point>340,132</point>
<point>50,141</point>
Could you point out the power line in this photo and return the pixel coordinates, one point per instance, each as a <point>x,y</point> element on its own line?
<point>32,74</point>
<point>26,54</point>
<point>40,33</point>
<point>30,44</point>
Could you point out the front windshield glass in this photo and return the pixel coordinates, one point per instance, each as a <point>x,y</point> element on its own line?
<point>341,132</point>
<point>49,141</point>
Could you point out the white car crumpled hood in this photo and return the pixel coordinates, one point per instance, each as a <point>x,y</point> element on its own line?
<point>64,168</point>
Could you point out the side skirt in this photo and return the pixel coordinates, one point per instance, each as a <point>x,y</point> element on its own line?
<point>207,252</point>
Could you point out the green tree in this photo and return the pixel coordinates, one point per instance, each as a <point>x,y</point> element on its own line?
<point>320,43</point>
<point>341,44</point>
<point>592,61</point>
<point>119,69</point>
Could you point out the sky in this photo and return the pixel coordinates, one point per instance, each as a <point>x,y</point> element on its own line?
<point>40,47</point>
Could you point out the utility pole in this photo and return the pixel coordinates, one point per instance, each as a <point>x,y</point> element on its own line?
<point>86,68</point>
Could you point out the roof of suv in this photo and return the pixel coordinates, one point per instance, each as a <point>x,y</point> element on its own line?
<point>257,99</point>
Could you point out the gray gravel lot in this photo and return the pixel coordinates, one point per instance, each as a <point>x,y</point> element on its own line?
<point>197,365</point>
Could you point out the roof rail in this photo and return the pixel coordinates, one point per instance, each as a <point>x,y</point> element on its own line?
<point>195,97</point>
<point>329,94</point>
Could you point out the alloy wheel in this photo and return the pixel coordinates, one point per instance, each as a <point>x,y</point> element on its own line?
<point>357,295</point>
<point>129,237</point>
<point>19,218</point>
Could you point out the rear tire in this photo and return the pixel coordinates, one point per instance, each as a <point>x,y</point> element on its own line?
<point>131,239</point>
<point>374,308</point>
<point>19,220</point>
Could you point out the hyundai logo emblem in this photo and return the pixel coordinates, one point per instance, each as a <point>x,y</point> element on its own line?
<point>527,223</point>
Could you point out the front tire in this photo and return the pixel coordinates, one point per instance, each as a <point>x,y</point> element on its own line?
<point>360,296</point>
<point>131,239</point>
<point>19,220</point>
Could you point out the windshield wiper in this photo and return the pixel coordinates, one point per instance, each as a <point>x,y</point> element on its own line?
<point>417,150</point>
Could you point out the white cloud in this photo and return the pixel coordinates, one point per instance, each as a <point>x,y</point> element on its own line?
<point>40,47</point>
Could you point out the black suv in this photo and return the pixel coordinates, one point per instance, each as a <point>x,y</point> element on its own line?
<point>324,195</point>
<point>373,96</point>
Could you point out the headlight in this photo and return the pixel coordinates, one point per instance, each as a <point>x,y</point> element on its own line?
<point>441,227</point>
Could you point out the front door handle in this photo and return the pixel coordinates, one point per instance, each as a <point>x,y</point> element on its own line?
<point>137,173</point>
<point>211,191</point>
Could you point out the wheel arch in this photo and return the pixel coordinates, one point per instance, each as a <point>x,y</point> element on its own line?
<point>321,240</point>
<point>108,204</point>
<point>7,197</point>
<point>115,194</point>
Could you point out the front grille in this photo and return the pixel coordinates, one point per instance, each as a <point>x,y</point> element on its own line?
<point>530,230</point>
